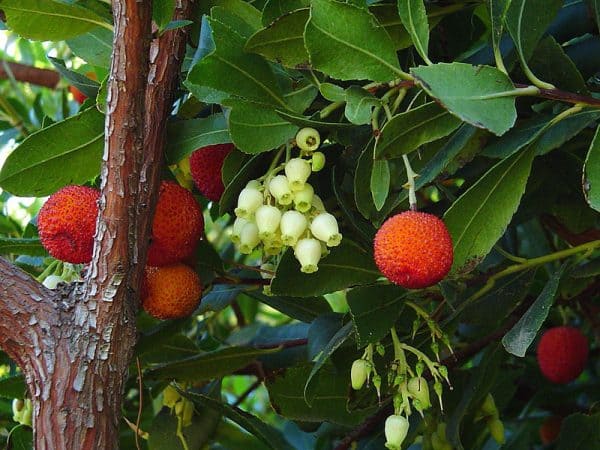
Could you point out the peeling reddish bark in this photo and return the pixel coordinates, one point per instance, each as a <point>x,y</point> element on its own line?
<point>75,346</point>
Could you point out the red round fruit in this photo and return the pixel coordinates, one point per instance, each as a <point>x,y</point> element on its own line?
<point>67,223</point>
<point>177,225</point>
<point>562,354</point>
<point>413,249</point>
<point>205,165</point>
<point>550,429</point>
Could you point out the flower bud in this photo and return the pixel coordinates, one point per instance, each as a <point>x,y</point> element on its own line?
<point>359,373</point>
<point>236,230</point>
<point>418,388</point>
<point>280,189</point>
<point>292,225</point>
<point>317,203</point>
<point>297,170</point>
<point>317,162</point>
<point>325,228</point>
<point>51,281</point>
<point>396,429</point>
<point>496,428</point>
<point>267,271</point>
<point>249,238</point>
<point>187,413</point>
<point>170,397</point>
<point>267,220</point>
<point>308,253</point>
<point>488,407</point>
<point>303,198</point>
<point>308,139</point>
<point>248,201</point>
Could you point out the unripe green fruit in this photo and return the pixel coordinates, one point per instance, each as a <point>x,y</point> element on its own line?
<point>359,373</point>
<point>418,388</point>
<point>396,429</point>
<point>308,139</point>
<point>318,161</point>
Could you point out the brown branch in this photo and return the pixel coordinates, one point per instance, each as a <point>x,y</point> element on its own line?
<point>28,74</point>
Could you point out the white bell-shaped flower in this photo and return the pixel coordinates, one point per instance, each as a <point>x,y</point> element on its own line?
<point>249,201</point>
<point>267,220</point>
<point>236,229</point>
<point>303,198</point>
<point>325,228</point>
<point>396,429</point>
<point>297,171</point>
<point>280,189</point>
<point>293,224</point>
<point>249,238</point>
<point>308,254</point>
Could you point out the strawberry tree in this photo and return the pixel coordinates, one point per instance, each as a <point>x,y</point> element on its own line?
<point>299,224</point>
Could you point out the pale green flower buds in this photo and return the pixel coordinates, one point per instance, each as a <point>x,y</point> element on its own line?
<point>292,225</point>
<point>267,220</point>
<point>308,253</point>
<point>249,201</point>
<point>297,171</point>
<point>308,139</point>
<point>396,429</point>
<point>280,189</point>
<point>418,388</point>
<point>359,373</point>
<point>496,428</point>
<point>303,198</point>
<point>318,161</point>
<point>325,228</point>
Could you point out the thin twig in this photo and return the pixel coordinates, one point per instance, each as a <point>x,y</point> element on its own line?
<point>141,402</point>
<point>247,392</point>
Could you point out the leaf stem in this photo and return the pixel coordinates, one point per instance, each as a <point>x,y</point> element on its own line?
<point>518,92</point>
<point>410,184</point>
<point>325,112</point>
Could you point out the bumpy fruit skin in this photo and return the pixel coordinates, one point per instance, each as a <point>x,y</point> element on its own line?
<point>67,223</point>
<point>205,165</point>
<point>171,292</point>
<point>562,354</point>
<point>177,225</point>
<point>413,249</point>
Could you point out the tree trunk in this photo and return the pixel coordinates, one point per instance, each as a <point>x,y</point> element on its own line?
<point>75,345</point>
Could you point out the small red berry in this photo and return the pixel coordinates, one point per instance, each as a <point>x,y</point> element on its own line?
<point>67,223</point>
<point>562,354</point>
<point>77,94</point>
<point>205,165</point>
<point>413,249</point>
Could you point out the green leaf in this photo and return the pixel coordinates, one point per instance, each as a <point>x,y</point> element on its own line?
<point>20,438</point>
<point>229,69</point>
<point>479,217</point>
<point>591,180</point>
<point>254,168</point>
<point>498,10</point>
<point>332,92</point>
<point>22,246</point>
<point>243,9</point>
<point>209,365</point>
<point>346,42</point>
<point>359,105</point>
<point>470,93</point>
<point>13,387</point>
<point>596,8</point>
<point>579,432</point>
<point>255,128</point>
<point>67,152</point>
<point>411,129</point>
<point>163,431</point>
<point>305,309</point>
<point>380,182</point>
<point>522,334</point>
<point>162,12</point>
<point>86,85</point>
<point>314,122</point>
<point>267,434</point>
<point>274,9</point>
<point>414,18</point>
<point>95,46</point>
<point>185,136</point>
<point>345,266</point>
<point>283,40</point>
<point>174,24</point>
<point>49,20</point>
<point>374,310</point>
<point>328,402</point>
<point>219,298</point>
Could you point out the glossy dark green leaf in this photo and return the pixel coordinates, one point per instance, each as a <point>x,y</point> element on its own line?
<point>374,311</point>
<point>498,10</point>
<point>314,122</point>
<point>346,42</point>
<point>250,170</point>
<point>522,334</point>
<point>304,309</point>
<point>359,105</point>
<point>579,432</point>
<point>209,365</point>
<point>255,128</point>
<point>22,246</point>
<point>380,183</point>
<point>274,9</point>
<point>411,129</point>
<point>67,152</point>
<point>591,181</point>
<point>219,298</point>
<point>49,20</point>
<point>346,265</point>
<point>21,438</point>
<point>86,85</point>
<point>332,92</point>
<point>471,93</point>
<point>163,431</point>
<point>478,218</point>
<point>414,18</point>
<point>185,136</point>
<point>162,12</point>
<point>95,46</point>
<point>283,40</point>
<point>13,387</point>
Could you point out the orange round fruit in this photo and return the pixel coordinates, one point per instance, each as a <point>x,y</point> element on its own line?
<point>413,249</point>
<point>67,223</point>
<point>177,225</point>
<point>77,94</point>
<point>171,292</point>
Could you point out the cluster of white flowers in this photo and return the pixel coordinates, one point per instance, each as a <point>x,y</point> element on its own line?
<point>282,210</point>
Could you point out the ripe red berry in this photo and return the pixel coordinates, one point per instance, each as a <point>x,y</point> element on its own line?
<point>413,249</point>
<point>177,225</point>
<point>562,354</point>
<point>205,165</point>
<point>67,223</point>
<point>170,292</point>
